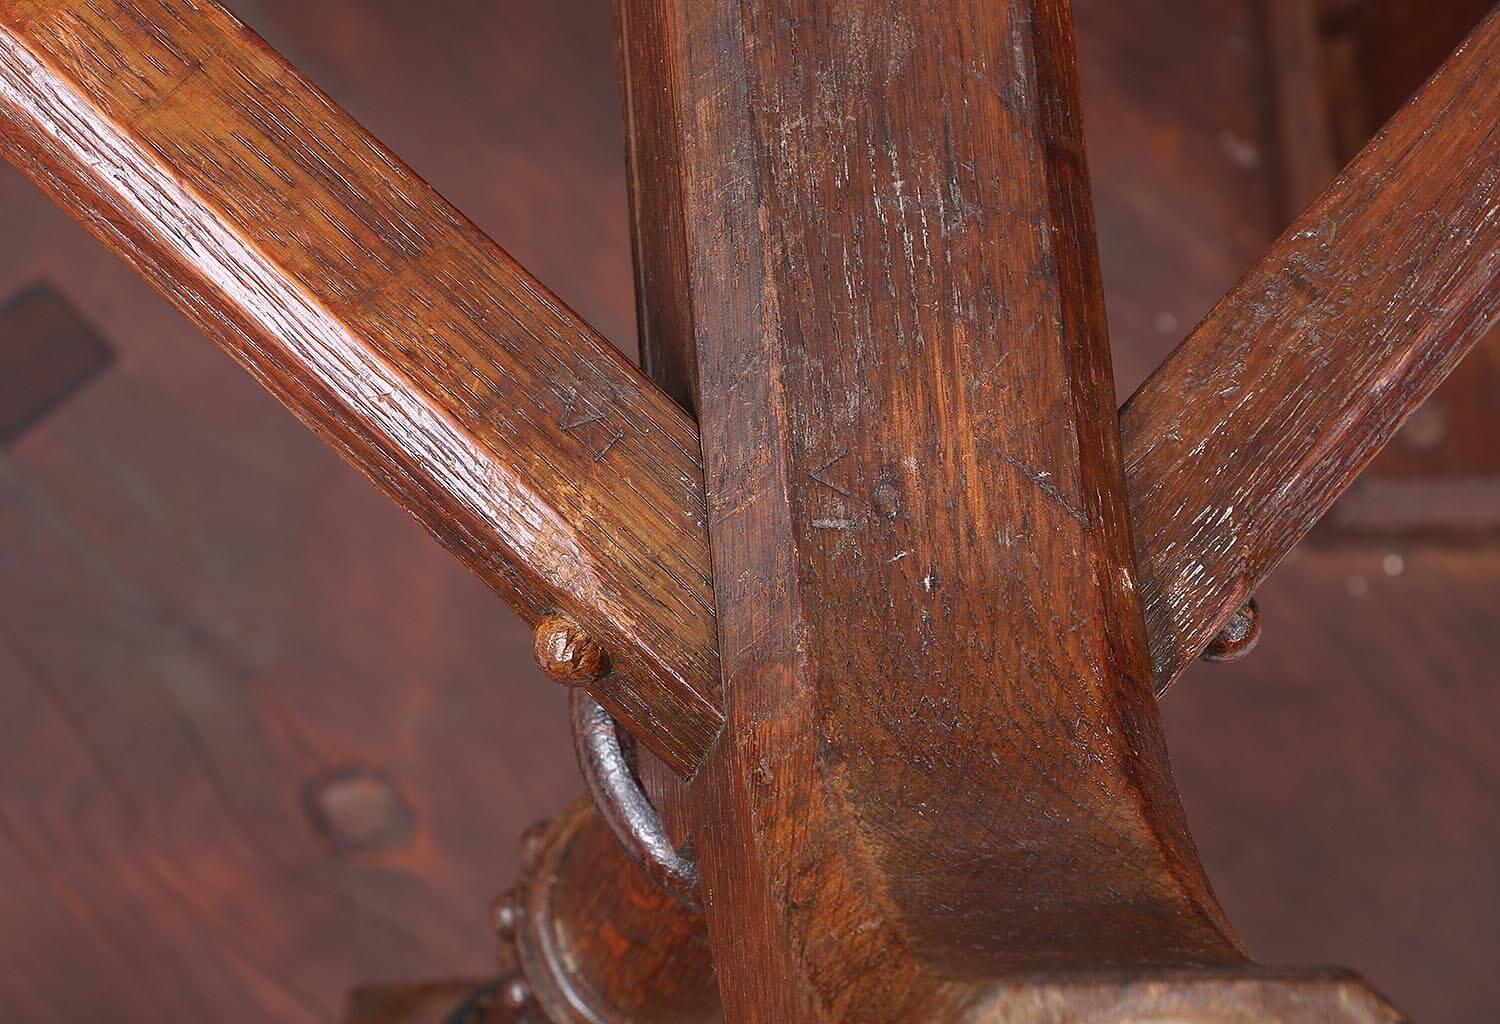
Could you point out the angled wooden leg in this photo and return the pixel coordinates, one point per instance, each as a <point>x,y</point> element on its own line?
<point>936,787</point>
<point>369,306</point>
<point>476,400</point>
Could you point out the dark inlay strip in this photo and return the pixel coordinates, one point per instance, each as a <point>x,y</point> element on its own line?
<point>47,352</point>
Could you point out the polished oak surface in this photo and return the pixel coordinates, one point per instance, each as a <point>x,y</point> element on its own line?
<point>516,434</point>
<point>1362,708</point>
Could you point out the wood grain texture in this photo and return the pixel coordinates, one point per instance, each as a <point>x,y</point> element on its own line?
<point>1440,475</point>
<point>447,456</point>
<point>1202,997</point>
<point>519,437</point>
<point>1339,782</point>
<point>1163,418</point>
<point>193,630</point>
<point>1243,438</point>
<point>600,940</point>
<point>941,766</point>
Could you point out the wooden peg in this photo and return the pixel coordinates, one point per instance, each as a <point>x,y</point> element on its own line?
<point>1238,637</point>
<point>567,653</point>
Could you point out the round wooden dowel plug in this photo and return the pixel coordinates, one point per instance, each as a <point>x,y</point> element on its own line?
<point>1238,637</point>
<point>567,653</point>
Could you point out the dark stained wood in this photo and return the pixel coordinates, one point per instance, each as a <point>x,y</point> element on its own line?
<point>566,652</point>
<point>600,940</point>
<point>1440,475</point>
<point>1376,54</point>
<point>665,333</point>
<point>368,305</point>
<point>205,610</point>
<point>1378,869</point>
<point>1243,438</point>
<point>664,325</point>
<point>1358,711</point>
<point>1161,245</point>
<point>921,554</point>
<point>616,574</point>
<point>1299,103</point>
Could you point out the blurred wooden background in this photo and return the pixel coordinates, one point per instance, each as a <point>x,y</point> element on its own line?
<point>261,740</point>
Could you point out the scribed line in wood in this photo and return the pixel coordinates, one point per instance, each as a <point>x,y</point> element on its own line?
<point>515,433</point>
<point>941,764</point>
<point>1242,439</point>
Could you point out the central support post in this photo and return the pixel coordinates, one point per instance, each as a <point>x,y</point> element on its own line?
<point>866,250</point>
<point>943,761</point>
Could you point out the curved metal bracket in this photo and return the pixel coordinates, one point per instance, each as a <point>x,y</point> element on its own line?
<point>606,758</point>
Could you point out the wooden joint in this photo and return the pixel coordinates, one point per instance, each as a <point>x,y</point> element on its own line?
<point>567,653</point>
<point>597,939</point>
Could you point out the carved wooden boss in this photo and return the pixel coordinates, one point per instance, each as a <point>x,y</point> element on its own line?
<point>891,645</point>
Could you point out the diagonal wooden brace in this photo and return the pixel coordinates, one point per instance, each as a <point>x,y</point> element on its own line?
<point>1250,430</point>
<point>392,326</point>
<point>529,448</point>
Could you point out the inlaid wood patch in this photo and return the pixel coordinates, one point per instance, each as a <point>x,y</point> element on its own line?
<point>47,352</point>
<point>354,810</point>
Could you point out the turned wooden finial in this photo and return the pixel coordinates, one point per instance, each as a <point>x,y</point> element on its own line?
<point>567,653</point>
<point>505,915</point>
<point>1238,637</point>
